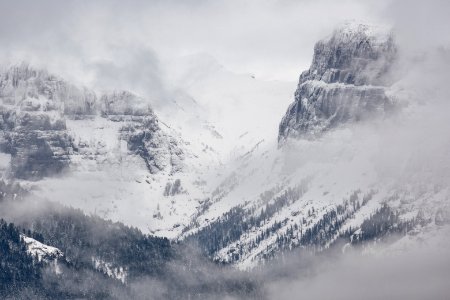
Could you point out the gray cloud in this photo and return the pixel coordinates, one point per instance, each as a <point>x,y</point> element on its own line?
<point>273,39</point>
<point>416,275</point>
<point>420,26</point>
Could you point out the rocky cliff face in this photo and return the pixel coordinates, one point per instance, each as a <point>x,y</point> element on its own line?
<point>33,129</point>
<point>112,149</point>
<point>345,83</point>
<point>35,107</point>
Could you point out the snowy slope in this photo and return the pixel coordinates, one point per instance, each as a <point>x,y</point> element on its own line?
<point>237,111</point>
<point>105,154</point>
<point>275,199</point>
<point>126,162</point>
<point>41,251</point>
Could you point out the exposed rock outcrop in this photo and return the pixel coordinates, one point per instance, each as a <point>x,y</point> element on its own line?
<point>346,82</point>
<point>34,108</point>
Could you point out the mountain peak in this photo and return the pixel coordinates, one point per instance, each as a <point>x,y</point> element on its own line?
<point>345,82</point>
<point>354,30</point>
<point>355,53</point>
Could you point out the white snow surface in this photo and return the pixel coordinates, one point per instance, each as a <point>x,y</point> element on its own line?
<point>40,250</point>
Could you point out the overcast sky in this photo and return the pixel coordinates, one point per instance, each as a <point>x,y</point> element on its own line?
<point>272,39</point>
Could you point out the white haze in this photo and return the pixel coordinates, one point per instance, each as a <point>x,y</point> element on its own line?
<point>418,274</point>
<point>82,39</point>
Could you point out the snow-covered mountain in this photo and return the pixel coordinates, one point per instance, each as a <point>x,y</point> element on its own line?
<point>216,166</point>
<point>73,145</point>
<point>111,154</point>
<point>350,155</point>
